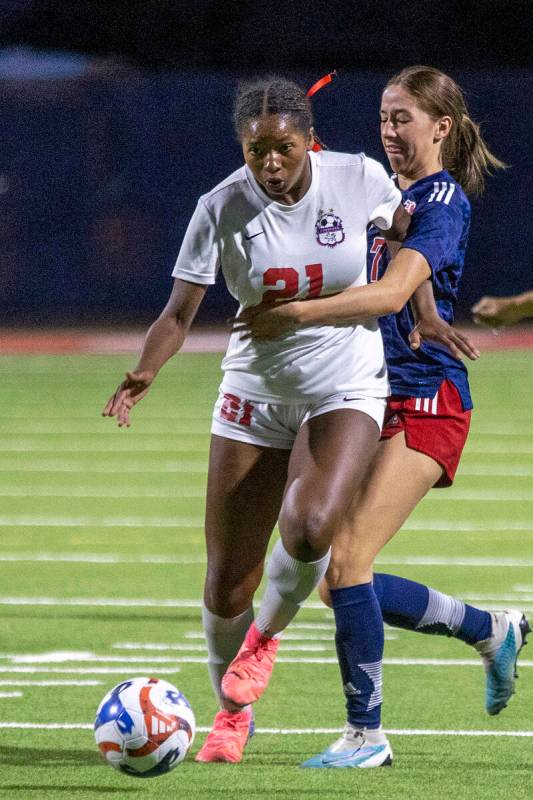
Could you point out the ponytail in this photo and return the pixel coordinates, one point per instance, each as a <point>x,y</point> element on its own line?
<point>465,154</point>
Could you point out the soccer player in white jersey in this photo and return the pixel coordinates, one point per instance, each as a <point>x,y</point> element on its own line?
<point>298,420</point>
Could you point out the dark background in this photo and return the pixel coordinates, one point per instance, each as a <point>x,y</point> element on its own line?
<point>116,116</point>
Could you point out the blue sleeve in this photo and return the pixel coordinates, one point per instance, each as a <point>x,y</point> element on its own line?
<point>435,232</point>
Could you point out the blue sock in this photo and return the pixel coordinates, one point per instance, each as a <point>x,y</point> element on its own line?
<point>411,605</point>
<point>359,639</point>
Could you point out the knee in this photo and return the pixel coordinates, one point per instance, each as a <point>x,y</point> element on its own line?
<point>323,591</point>
<point>347,569</point>
<point>307,532</point>
<point>227,594</point>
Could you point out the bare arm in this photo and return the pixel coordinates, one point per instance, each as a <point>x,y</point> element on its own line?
<point>163,340</point>
<point>431,327</point>
<point>400,223</point>
<point>495,311</point>
<point>405,273</point>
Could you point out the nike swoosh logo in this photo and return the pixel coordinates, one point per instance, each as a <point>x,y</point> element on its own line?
<point>347,397</point>
<point>354,756</point>
<point>253,235</point>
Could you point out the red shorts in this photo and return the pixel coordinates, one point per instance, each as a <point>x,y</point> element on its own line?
<point>436,426</point>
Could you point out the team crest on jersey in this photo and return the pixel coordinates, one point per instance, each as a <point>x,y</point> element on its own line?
<point>409,206</point>
<point>328,229</point>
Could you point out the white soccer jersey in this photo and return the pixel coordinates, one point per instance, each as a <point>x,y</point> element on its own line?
<point>315,247</point>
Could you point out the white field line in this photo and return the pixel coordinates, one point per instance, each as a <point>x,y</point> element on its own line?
<point>174,443</point>
<point>141,521</point>
<point>28,427</point>
<point>140,468</point>
<point>99,558</point>
<point>86,521</point>
<point>51,683</point>
<point>86,670</point>
<point>177,493</point>
<point>126,661</point>
<point>10,694</point>
<point>473,469</point>
<point>85,726</point>
<point>149,602</point>
<point>128,491</point>
<point>109,446</point>
<point>496,470</point>
<point>481,495</point>
<point>110,558</point>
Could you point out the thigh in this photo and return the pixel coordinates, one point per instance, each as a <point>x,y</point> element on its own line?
<point>330,456</point>
<point>395,483</point>
<point>244,493</point>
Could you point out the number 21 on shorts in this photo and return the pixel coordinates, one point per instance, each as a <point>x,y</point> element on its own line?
<point>290,281</point>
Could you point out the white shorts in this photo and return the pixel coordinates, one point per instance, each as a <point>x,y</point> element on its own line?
<point>276,424</point>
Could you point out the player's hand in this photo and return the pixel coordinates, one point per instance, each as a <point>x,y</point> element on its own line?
<point>128,394</point>
<point>266,321</point>
<point>439,332</point>
<point>493,311</point>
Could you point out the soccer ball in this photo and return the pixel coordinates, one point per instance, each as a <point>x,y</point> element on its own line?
<point>144,727</point>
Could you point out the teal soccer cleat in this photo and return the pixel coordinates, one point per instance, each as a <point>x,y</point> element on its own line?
<point>499,654</point>
<point>360,749</point>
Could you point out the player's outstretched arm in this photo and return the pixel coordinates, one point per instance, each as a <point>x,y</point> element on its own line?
<point>496,311</point>
<point>404,274</point>
<point>163,340</point>
<point>431,327</point>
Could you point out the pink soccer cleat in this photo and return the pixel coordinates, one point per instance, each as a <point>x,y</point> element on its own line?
<point>248,674</point>
<point>227,738</point>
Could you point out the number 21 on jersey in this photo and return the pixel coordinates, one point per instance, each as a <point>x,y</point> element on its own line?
<point>290,282</point>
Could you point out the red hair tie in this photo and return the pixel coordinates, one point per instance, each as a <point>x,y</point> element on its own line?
<point>321,83</point>
<point>317,144</point>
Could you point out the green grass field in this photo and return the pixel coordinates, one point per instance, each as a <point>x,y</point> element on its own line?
<point>102,562</point>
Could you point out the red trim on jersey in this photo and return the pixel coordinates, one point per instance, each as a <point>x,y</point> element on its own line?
<point>436,426</point>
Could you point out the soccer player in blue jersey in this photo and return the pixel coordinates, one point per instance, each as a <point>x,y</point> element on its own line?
<point>438,156</point>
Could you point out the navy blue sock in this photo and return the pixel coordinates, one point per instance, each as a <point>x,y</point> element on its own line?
<point>359,639</point>
<point>416,607</point>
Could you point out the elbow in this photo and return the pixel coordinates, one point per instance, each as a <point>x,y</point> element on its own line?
<point>397,301</point>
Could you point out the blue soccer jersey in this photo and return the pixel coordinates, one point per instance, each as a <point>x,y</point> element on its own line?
<point>439,231</point>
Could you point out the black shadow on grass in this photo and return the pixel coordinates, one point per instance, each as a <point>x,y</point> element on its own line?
<point>39,757</point>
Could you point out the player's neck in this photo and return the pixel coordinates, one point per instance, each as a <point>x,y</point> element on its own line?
<point>416,173</point>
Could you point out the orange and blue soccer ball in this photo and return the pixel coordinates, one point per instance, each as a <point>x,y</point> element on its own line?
<point>144,727</point>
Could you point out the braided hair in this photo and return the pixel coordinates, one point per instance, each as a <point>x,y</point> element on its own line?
<point>271,95</point>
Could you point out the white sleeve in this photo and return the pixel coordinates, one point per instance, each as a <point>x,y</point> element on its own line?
<point>198,258</point>
<point>382,196</point>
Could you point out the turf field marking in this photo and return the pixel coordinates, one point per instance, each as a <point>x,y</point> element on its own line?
<point>109,558</point>
<point>482,470</point>
<point>85,726</point>
<point>84,670</point>
<point>55,658</point>
<point>11,694</point>
<point>196,468</point>
<point>130,491</point>
<point>456,495</point>
<point>54,683</point>
<point>16,520</point>
<point>481,495</point>
<point>474,469</point>
<point>99,558</point>
<point>149,602</point>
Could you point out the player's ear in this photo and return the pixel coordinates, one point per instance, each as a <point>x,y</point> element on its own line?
<point>442,128</point>
<point>310,139</point>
